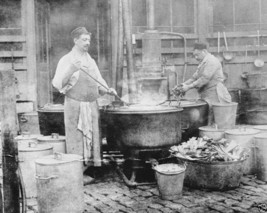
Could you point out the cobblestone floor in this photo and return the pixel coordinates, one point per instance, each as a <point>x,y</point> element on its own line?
<point>109,194</point>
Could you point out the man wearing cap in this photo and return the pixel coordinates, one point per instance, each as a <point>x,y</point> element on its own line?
<point>208,79</point>
<point>74,77</point>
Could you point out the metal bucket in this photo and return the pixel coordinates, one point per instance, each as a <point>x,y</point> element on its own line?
<point>28,153</point>
<point>213,175</point>
<point>260,151</point>
<point>170,180</point>
<point>59,180</point>
<point>245,138</point>
<point>58,142</point>
<point>25,138</point>
<point>211,132</point>
<point>225,115</point>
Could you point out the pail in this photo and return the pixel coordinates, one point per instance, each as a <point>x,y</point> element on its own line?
<point>225,114</point>
<point>28,153</point>
<point>211,132</point>
<point>260,151</point>
<point>245,138</point>
<point>170,180</point>
<point>57,141</point>
<point>59,180</point>
<point>213,175</point>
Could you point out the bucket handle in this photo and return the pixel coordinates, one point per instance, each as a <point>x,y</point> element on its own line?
<point>46,178</point>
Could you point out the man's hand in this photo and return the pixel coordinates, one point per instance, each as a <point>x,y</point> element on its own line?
<point>186,87</point>
<point>112,91</point>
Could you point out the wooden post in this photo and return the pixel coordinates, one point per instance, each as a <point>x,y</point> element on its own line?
<point>130,65</point>
<point>29,9</point>
<point>9,128</point>
<point>119,70</point>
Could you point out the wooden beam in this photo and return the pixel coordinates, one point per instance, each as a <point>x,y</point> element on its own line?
<point>31,50</point>
<point>12,38</point>
<point>17,67</point>
<point>9,129</point>
<point>8,54</point>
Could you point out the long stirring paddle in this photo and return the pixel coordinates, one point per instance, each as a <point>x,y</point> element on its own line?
<point>101,84</point>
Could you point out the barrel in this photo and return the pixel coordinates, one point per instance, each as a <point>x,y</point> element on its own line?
<point>261,150</point>
<point>245,138</point>
<point>57,141</point>
<point>253,106</point>
<point>28,153</point>
<point>59,180</point>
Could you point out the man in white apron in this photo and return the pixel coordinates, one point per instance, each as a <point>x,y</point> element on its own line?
<point>208,79</point>
<point>81,115</point>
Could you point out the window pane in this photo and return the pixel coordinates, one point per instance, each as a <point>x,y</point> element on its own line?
<point>139,12</point>
<point>223,15</point>
<point>247,11</point>
<point>10,16</point>
<point>162,12</point>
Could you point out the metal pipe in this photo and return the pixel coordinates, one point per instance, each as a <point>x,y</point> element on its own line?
<point>185,52</point>
<point>151,14</point>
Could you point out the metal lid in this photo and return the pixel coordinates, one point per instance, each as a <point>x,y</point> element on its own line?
<point>58,158</point>
<point>54,137</point>
<point>242,131</point>
<point>52,108</point>
<point>28,137</point>
<point>142,109</point>
<point>33,147</point>
<point>261,135</point>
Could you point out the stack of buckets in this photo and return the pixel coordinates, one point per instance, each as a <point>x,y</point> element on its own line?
<point>253,138</point>
<point>50,175</point>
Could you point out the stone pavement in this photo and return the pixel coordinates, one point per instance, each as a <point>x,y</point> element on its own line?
<point>109,194</point>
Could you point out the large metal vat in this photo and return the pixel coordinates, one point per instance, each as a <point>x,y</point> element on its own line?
<point>59,180</point>
<point>253,106</point>
<point>142,127</point>
<point>194,115</point>
<point>51,119</point>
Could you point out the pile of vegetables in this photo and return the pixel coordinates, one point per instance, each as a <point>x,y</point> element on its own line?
<point>208,150</point>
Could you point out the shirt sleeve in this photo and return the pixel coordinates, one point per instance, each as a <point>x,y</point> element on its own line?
<point>208,72</point>
<point>60,73</point>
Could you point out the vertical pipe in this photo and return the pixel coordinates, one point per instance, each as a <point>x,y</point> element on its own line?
<point>128,37</point>
<point>119,67</point>
<point>151,14</point>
